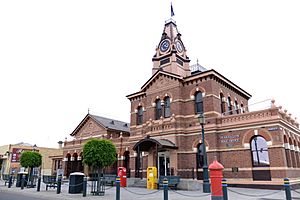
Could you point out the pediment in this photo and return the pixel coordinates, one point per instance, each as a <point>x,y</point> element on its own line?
<point>88,128</point>
<point>161,80</point>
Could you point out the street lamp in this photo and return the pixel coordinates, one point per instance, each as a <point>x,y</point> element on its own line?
<point>206,184</point>
<point>34,147</point>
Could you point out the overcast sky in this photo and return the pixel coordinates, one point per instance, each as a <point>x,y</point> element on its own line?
<point>59,58</point>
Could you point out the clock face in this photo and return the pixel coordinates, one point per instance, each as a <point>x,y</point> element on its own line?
<point>179,47</point>
<point>164,46</point>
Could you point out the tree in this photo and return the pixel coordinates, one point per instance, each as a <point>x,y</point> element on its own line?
<point>99,154</point>
<point>31,159</point>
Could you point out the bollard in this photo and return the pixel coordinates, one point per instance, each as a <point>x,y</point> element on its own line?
<point>58,189</point>
<point>10,181</point>
<point>84,186</point>
<point>38,188</point>
<point>287,188</point>
<point>118,180</point>
<point>165,185</point>
<point>224,189</point>
<point>193,173</point>
<point>22,181</point>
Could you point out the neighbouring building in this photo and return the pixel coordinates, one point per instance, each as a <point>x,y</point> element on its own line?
<point>165,131</point>
<point>10,157</point>
<point>93,126</point>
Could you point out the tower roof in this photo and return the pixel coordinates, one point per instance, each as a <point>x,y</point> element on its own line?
<point>170,30</point>
<point>170,54</point>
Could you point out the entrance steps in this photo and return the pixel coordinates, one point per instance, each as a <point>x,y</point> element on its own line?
<point>185,184</point>
<point>137,182</point>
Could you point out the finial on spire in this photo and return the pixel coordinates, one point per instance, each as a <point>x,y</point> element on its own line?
<point>88,110</point>
<point>172,11</point>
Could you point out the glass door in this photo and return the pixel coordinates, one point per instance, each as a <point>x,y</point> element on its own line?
<point>164,164</point>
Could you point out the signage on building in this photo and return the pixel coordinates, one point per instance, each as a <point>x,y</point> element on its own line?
<point>16,154</point>
<point>229,138</point>
<point>273,128</point>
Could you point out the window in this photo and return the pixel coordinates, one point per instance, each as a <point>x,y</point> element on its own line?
<point>242,108</point>
<point>236,107</point>
<point>223,107</point>
<point>139,115</point>
<point>167,107</point>
<point>229,106</point>
<point>198,103</point>
<point>158,109</point>
<point>259,150</point>
<point>200,156</point>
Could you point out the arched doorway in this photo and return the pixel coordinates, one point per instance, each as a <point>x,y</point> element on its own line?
<point>68,165</point>
<point>158,155</point>
<point>74,163</point>
<point>126,163</point>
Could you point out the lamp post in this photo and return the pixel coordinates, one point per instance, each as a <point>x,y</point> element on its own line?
<point>206,184</point>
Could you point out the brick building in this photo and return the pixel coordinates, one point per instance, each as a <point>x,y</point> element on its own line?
<point>165,131</point>
<point>93,126</point>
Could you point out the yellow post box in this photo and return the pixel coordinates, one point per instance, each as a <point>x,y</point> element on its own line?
<point>151,178</point>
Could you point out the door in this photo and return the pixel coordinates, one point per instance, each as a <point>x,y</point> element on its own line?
<point>164,164</point>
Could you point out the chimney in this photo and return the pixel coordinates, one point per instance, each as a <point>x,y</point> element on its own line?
<point>60,144</point>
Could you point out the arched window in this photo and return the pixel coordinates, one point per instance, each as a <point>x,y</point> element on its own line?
<point>223,107</point>
<point>229,106</point>
<point>198,103</point>
<point>236,107</point>
<point>158,109</point>
<point>139,115</point>
<point>259,150</point>
<point>242,108</point>
<point>167,107</point>
<point>200,156</point>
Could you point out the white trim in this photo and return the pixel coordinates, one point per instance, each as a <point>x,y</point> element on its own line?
<point>286,145</point>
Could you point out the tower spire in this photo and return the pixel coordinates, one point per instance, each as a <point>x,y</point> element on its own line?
<point>170,54</point>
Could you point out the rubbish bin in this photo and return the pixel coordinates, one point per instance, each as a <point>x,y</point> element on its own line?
<point>19,179</point>
<point>76,182</point>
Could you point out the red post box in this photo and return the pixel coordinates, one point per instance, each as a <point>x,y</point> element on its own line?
<point>122,175</point>
<point>216,175</point>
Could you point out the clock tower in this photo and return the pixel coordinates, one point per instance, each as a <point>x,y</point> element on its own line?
<point>170,54</point>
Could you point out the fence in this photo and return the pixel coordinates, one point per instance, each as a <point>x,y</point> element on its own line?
<point>285,193</point>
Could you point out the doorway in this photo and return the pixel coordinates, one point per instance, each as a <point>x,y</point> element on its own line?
<point>164,164</point>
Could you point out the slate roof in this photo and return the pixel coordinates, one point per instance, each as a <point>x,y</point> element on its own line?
<point>112,123</point>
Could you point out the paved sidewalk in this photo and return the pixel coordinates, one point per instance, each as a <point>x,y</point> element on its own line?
<point>131,193</point>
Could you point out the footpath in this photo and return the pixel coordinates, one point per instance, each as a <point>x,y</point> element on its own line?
<point>132,193</point>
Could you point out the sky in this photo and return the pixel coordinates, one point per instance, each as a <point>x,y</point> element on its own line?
<point>60,58</point>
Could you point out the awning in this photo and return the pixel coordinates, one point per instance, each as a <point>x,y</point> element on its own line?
<point>146,143</point>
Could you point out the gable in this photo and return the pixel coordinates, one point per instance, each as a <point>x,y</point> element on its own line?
<point>89,128</point>
<point>160,80</point>
<point>162,83</point>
